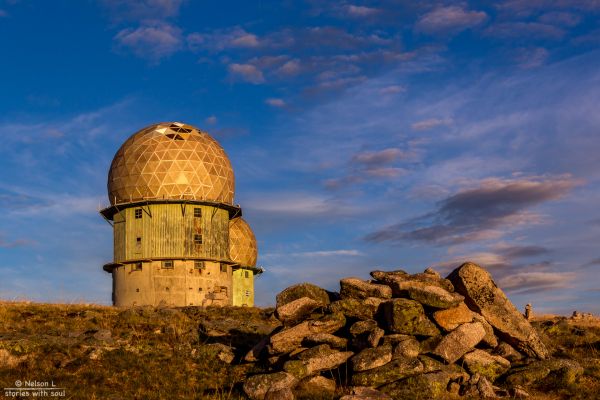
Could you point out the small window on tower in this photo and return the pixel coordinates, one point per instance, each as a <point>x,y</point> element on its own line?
<point>197,239</point>
<point>167,264</point>
<point>137,266</point>
<point>199,265</point>
<point>246,274</point>
<point>223,268</point>
<point>197,213</point>
<point>138,213</point>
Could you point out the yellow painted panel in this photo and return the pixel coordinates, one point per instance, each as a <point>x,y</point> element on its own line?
<point>243,287</point>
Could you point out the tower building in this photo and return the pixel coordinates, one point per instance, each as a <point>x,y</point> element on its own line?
<point>179,240</point>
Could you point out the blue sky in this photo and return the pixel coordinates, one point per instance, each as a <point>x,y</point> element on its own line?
<point>392,134</point>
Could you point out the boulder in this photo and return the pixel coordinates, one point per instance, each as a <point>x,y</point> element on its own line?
<point>316,351</point>
<point>365,393</point>
<point>317,363</point>
<point>408,317</point>
<point>302,290</point>
<point>315,387</point>
<point>394,277</point>
<point>489,339</point>
<point>356,288</point>
<point>279,394</point>
<point>485,364</point>
<point>430,364</point>
<point>371,358</point>
<point>451,318</point>
<point>325,338</point>
<point>483,295</point>
<point>366,334</point>
<point>422,387</point>
<point>362,327</point>
<point>390,372</point>
<point>478,387</point>
<point>386,277</point>
<point>221,351</point>
<point>288,339</point>
<point>395,338</point>
<point>296,310</point>
<point>557,372</point>
<point>355,308</point>
<point>257,386</point>
<point>426,294</point>
<point>408,348</point>
<point>431,271</point>
<point>255,352</point>
<point>459,341</point>
<point>428,345</point>
<point>505,350</point>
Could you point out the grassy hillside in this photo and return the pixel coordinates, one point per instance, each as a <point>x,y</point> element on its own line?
<point>98,352</point>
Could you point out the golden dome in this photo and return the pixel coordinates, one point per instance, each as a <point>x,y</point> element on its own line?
<point>171,160</point>
<point>242,243</point>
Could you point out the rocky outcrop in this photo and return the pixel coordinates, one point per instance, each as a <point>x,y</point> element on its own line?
<point>302,290</point>
<point>257,386</point>
<point>460,341</point>
<point>355,288</point>
<point>483,296</point>
<point>399,336</point>
<point>408,317</point>
<point>296,310</point>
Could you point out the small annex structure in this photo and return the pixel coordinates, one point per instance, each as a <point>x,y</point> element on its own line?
<point>178,238</point>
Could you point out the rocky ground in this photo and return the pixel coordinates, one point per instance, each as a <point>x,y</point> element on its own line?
<point>396,336</point>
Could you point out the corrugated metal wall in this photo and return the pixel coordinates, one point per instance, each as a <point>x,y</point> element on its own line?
<point>168,230</point>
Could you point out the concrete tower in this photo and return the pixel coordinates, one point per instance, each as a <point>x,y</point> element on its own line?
<point>178,238</point>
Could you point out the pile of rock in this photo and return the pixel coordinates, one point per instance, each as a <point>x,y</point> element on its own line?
<point>402,336</point>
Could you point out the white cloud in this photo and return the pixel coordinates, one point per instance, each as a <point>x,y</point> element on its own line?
<point>361,11</point>
<point>275,102</point>
<point>223,39</point>
<point>392,89</point>
<point>246,72</point>
<point>449,19</point>
<point>152,41</point>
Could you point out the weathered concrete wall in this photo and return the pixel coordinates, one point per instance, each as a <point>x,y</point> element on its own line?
<point>183,285</point>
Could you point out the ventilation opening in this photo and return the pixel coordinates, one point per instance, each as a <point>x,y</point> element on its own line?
<point>179,129</point>
<point>174,136</point>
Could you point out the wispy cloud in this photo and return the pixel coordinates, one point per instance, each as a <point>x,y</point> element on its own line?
<point>11,244</point>
<point>153,41</point>
<point>532,282</point>
<point>449,19</point>
<point>481,212</point>
<point>246,72</point>
<point>430,123</point>
<point>224,39</point>
<point>520,251</point>
<point>381,157</point>
<point>532,57</point>
<point>141,10</point>
<point>318,253</point>
<point>275,102</point>
<point>525,31</point>
<point>361,11</point>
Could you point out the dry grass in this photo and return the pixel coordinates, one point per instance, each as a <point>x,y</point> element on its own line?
<point>150,354</point>
<point>162,353</point>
